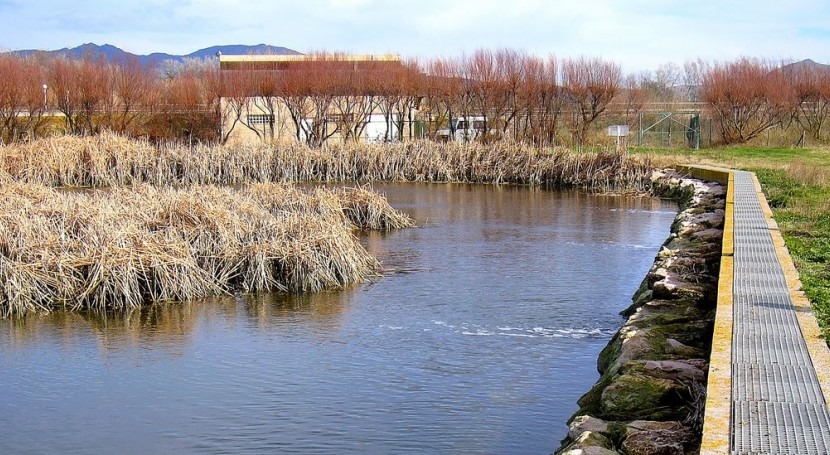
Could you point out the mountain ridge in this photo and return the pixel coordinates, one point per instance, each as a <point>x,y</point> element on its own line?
<point>115,54</point>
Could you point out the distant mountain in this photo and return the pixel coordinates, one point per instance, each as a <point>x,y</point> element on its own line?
<point>113,54</point>
<point>806,64</point>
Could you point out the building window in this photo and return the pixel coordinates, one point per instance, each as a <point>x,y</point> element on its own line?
<point>340,118</point>
<point>260,119</point>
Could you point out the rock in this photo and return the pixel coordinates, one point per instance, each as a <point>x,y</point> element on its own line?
<point>685,265</point>
<point>583,423</point>
<point>635,345</point>
<point>591,402</point>
<point>689,230</point>
<point>693,247</point>
<point>674,370</point>
<point>590,451</point>
<point>608,355</point>
<point>679,371</point>
<point>701,364</point>
<point>651,342</point>
<point>674,286</point>
<point>637,396</point>
<point>663,312</point>
<point>709,235</point>
<point>709,219</point>
<point>657,438</point>
<point>589,443</point>
<point>652,425</point>
<point>593,439</point>
<point>639,300</point>
<point>681,350</point>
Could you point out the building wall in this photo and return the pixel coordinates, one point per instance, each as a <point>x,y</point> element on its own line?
<point>253,125</point>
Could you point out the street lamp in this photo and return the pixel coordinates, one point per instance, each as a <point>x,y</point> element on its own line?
<point>45,90</point>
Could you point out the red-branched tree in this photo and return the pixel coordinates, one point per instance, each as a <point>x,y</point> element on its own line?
<point>747,97</point>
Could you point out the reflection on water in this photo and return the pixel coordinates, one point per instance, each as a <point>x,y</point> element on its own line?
<point>171,324</point>
<point>479,339</point>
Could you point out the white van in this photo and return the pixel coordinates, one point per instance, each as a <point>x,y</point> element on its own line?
<point>464,129</point>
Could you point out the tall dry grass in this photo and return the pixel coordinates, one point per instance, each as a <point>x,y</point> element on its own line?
<point>808,173</point>
<point>124,247</point>
<point>111,160</point>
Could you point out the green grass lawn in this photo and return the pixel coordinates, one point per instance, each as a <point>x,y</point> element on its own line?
<point>796,183</point>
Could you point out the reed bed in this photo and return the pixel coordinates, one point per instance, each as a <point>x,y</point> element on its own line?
<point>128,246</point>
<point>365,209</point>
<point>110,160</point>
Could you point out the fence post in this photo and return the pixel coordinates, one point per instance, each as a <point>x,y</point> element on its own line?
<point>640,132</point>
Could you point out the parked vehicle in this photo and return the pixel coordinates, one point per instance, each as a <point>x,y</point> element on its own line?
<point>462,129</point>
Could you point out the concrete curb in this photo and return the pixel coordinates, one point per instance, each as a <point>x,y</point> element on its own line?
<point>717,420</point>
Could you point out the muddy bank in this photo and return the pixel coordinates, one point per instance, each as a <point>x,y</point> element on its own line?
<point>651,393</point>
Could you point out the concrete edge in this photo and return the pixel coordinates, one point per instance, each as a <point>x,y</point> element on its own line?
<point>718,412</point>
<point>711,173</point>
<point>816,345</point>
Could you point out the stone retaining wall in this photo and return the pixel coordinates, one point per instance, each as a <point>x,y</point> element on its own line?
<point>651,393</point>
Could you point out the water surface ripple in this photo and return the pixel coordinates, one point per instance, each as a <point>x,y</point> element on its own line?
<point>478,340</point>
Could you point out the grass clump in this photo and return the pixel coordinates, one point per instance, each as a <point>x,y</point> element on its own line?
<point>125,247</point>
<point>367,211</point>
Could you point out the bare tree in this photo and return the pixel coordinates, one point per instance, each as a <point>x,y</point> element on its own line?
<point>22,98</point>
<point>513,68</point>
<point>135,87</point>
<point>62,77</point>
<point>811,85</point>
<point>399,91</point>
<point>94,92</point>
<point>483,85</point>
<point>591,84</point>
<point>540,100</point>
<point>357,93</point>
<point>191,106</point>
<point>747,97</point>
<point>266,90</point>
<point>693,73</point>
<point>443,90</point>
<point>633,98</point>
<point>308,94</point>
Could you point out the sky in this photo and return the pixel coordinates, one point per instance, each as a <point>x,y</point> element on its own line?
<point>640,35</point>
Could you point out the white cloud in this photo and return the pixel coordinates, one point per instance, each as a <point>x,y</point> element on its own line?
<point>638,34</point>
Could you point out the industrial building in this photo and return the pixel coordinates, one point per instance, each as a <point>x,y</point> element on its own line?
<point>314,99</point>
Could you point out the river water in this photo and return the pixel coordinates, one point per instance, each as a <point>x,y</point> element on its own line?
<point>479,339</point>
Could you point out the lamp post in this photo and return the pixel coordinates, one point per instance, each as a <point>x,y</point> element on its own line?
<point>45,91</point>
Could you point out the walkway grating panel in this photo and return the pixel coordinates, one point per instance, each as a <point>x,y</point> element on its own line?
<point>765,382</point>
<point>780,428</point>
<point>777,403</point>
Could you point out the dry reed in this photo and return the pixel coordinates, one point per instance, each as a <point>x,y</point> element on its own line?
<point>110,160</point>
<point>136,243</point>
<point>125,247</point>
<point>366,210</point>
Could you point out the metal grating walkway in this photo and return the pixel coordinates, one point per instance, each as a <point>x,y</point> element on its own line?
<point>777,403</point>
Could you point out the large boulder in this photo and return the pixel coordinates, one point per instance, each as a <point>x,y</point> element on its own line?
<point>583,423</point>
<point>675,370</point>
<point>590,443</point>
<point>590,451</point>
<point>638,396</point>
<point>658,438</point>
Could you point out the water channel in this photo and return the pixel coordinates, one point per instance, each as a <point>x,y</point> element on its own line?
<point>479,339</point>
